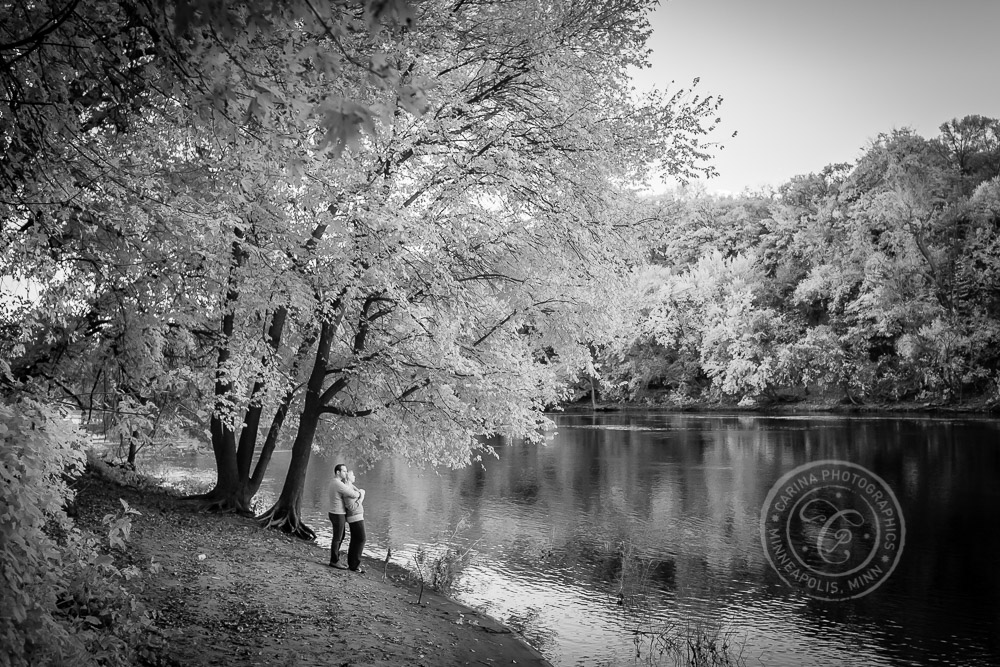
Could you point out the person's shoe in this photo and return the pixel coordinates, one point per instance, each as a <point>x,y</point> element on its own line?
<point>338,566</point>
<point>360,570</point>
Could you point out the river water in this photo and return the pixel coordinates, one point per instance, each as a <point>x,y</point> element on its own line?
<point>650,522</point>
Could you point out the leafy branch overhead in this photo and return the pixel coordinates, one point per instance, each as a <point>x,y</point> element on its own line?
<point>394,225</point>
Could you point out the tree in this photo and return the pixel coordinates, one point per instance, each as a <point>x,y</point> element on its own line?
<point>122,135</point>
<point>875,278</point>
<point>972,145</point>
<point>402,227</point>
<point>490,235</point>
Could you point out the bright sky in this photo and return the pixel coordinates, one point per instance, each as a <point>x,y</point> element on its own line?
<point>811,82</point>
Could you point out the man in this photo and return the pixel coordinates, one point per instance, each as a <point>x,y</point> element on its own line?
<point>340,491</point>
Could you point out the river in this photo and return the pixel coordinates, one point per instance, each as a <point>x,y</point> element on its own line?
<point>651,522</point>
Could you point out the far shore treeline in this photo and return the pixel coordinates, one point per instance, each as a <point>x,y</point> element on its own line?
<point>876,282</point>
<point>391,228</point>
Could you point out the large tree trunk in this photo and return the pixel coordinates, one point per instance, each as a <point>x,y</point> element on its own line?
<point>229,493</point>
<point>235,486</point>
<point>285,514</point>
<point>278,420</point>
<point>233,462</point>
<point>246,488</point>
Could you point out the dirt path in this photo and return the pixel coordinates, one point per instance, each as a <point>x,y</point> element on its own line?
<point>230,593</point>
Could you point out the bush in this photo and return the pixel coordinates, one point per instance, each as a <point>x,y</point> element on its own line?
<point>61,592</point>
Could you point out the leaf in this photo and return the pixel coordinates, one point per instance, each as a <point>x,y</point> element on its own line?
<point>413,98</point>
<point>343,122</point>
<point>388,12</point>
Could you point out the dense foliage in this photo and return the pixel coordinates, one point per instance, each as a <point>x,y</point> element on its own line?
<point>62,594</point>
<point>387,226</point>
<point>872,282</point>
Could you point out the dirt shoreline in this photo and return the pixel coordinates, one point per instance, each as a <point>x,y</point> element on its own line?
<point>224,591</point>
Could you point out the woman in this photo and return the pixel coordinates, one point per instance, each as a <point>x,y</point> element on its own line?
<point>356,522</point>
<point>340,492</point>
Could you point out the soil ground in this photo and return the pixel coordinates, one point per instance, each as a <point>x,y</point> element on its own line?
<point>227,592</point>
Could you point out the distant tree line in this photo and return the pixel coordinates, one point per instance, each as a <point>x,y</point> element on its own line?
<point>877,281</point>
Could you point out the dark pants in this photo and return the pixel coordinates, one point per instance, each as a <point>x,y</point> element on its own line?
<point>357,544</point>
<point>339,524</point>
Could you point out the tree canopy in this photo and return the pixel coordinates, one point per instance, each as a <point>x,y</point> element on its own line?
<point>392,225</point>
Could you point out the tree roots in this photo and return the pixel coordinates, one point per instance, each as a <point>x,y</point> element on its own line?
<point>218,502</point>
<point>287,521</point>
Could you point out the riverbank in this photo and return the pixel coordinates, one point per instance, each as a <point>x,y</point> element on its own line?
<point>979,405</point>
<point>224,591</point>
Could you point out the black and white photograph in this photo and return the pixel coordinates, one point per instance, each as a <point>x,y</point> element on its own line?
<point>552,333</point>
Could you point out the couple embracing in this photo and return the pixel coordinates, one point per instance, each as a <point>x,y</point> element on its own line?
<point>346,510</point>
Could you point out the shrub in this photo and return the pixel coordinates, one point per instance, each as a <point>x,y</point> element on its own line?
<point>62,596</point>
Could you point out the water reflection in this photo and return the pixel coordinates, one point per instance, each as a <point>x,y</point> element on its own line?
<point>677,498</point>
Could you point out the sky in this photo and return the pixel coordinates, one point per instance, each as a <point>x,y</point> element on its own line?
<point>808,83</point>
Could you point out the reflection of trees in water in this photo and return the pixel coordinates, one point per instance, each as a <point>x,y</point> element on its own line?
<point>658,638</point>
<point>526,490</point>
<point>611,565</point>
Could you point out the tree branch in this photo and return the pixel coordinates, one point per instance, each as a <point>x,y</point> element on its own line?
<point>494,328</point>
<point>44,30</point>
<point>344,412</point>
